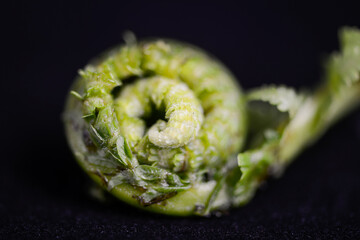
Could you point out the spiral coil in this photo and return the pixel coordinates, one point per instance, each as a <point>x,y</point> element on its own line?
<point>161,109</point>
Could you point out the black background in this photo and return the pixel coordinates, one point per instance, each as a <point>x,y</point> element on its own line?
<point>43,193</point>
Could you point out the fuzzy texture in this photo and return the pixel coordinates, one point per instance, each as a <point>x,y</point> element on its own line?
<point>162,118</point>
<point>159,124</point>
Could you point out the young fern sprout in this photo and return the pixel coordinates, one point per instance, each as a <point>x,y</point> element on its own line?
<point>165,127</point>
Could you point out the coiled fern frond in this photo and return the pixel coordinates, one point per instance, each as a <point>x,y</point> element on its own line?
<point>165,127</point>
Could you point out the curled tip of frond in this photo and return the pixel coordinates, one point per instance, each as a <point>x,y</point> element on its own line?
<point>129,37</point>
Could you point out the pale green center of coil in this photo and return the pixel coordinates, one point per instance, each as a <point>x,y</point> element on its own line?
<point>202,122</point>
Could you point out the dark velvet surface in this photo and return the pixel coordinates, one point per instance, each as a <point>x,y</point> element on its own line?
<point>43,193</point>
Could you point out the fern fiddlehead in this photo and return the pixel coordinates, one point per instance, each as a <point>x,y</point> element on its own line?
<point>162,125</point>
<point>161,119</point>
